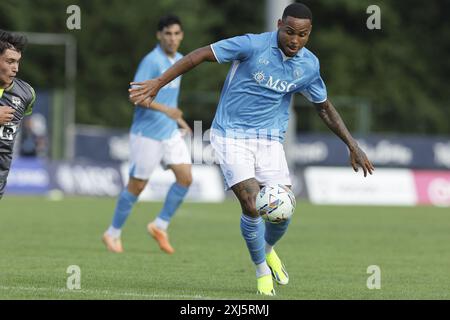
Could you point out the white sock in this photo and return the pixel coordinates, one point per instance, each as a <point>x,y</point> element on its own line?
<point>268,248</point>
<point>262,269</point>
<point>113,232</point>
<point>161,224</point>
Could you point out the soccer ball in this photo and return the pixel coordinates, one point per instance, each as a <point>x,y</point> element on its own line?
<point>275,203</point>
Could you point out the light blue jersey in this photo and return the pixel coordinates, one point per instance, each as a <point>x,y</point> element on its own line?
<point>257,92</point>
<point>148,122</point>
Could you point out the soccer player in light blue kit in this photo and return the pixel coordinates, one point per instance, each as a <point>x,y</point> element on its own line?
<point>155,139</point>
<point>252,117</point>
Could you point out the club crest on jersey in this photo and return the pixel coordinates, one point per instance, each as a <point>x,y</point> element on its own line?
<point>263,61</point>
<point>16,101</point>
<point>297,73</point>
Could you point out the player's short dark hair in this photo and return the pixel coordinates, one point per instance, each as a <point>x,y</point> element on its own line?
<point>12,41</point>
<point>297,10</point>
<point>169,20</point>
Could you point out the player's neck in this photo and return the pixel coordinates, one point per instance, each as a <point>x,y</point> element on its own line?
<point>4,85</point>
<point>170,55</point>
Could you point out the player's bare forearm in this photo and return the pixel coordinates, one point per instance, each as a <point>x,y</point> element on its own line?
<point>158,106</point>
<point>149,89</point>
<point>173,113</point>
<point>333,120</point>
<point>184,126</point>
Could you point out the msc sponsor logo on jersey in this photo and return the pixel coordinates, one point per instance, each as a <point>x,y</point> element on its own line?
<point>275,84</point>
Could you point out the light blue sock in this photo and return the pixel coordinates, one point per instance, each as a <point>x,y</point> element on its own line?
<point>252,230</point>
<point>124,205</point>
<point>173,200</point>
<point>274,231</point>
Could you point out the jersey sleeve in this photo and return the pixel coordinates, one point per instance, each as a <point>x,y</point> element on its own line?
<point>29,108</point>
<point>147,70</point>
<point>237,48</point>
<point>316,91</point>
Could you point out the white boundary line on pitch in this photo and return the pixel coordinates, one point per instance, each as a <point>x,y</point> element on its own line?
<point>108,292</point>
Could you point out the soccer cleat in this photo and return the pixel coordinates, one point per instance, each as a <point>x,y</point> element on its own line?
<point>161,237</point>
<point>279,273</point>
<point>265,286</point>
<point>112,244</point>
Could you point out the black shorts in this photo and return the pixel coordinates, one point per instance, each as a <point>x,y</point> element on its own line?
<point>5,164</point>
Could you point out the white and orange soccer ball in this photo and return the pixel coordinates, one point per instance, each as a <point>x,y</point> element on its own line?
<point>275,203</point>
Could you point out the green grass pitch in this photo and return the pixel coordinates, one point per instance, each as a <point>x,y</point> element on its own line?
<point>327,251</point>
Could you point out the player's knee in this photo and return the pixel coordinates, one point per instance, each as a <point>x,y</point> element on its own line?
<point>136,188</point>
<point>249,206</point>
<point>185,180</point>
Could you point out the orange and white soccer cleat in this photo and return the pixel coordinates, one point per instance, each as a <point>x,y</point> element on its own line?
<point>112,244</point>
<point>161,237</point>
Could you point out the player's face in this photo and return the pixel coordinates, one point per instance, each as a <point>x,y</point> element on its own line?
<point>9,66</point>
<point>293,34</point>
<point>170,38</point>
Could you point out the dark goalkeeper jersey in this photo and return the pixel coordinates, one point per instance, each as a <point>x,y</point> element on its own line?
<point>19,96</point>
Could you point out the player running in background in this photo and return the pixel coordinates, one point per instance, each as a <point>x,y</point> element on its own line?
<point>252,117</point>
<point>155,138</point>
<point>16,99</point>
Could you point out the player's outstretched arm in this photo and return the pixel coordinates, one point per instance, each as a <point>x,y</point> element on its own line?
<point>173,113</point>
<point>148,89</point>
<point>184,126</point>
<point>334,121</point>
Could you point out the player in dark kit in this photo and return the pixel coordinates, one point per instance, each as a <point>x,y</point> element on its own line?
<point>16,99</point>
